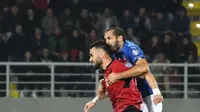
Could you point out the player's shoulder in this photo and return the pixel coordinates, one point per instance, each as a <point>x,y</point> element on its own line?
<point>130,45</point>
<point>122,62</point>
<point>132,48</point>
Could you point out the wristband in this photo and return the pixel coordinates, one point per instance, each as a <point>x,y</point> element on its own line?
<point>95,99</point>
<point>156,91</point>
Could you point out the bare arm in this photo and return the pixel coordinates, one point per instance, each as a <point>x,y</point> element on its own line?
<point>152,82</point>
<point>140,69</point>
<point>96,99</point>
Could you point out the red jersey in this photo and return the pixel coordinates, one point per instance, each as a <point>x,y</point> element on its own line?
<point>122,93</point>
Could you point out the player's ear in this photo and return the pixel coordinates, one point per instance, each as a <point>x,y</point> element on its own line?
<point>101,53</point>
<point>120,38</point>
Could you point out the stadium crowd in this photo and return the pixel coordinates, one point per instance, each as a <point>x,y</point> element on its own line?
<point>62,31</point>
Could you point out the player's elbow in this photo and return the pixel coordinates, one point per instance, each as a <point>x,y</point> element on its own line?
<point>144,68</point>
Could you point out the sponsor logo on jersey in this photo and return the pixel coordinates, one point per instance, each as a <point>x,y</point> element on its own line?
<point>128,65</point>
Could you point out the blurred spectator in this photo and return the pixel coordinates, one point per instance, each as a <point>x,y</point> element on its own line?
<point>132,36</point>
<point>17,43</point>
<point>44,76</point>
<point>47,56</point>
<point>106,21</point>
<point>159,24</point>
<point>169,47</point>
<point>181,23</point>
<point>161,71</point>
<point>66,19</point>
<point>25,74</point>
<point>30,23</point>
<point>89,40</point>
<point>10,19</point>
<point>193,77</point>
<point>143,24</point>
<point>37,42</point>
<point>49,22</point>
<point>58,43</point>
<point>127,20</point>
<point>153,47</point>
<point>77,46</point>
<point>84,23</point>
<point>60,75</point>
<point>5,47</point>
<point>192,71</point>
<point>175,84</point>
<point>185,48</point>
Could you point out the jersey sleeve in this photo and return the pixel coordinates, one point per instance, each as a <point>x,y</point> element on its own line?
<point>135,53</point>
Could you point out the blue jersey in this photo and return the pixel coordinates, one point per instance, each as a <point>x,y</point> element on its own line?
<point>131,52</point>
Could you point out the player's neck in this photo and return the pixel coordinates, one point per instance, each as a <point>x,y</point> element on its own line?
<point>106,62</point>
<point>121,46</point>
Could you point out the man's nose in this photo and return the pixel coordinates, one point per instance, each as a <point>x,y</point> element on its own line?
<point>90,60</point>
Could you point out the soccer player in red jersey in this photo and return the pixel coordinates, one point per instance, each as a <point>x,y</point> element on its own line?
<point>124,95</point>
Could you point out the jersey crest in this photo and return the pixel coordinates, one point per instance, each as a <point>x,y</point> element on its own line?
<point>135,52</point>
<point>128,65</point>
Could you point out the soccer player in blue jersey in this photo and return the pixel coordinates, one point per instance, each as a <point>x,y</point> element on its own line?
<point>127,50</point>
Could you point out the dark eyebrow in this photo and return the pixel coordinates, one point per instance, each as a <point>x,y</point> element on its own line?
<point>90,54</point>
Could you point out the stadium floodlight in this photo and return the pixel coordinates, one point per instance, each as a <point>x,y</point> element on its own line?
<point>191,5</point>
<point>198,25</point>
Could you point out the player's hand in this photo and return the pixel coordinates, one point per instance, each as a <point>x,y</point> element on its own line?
<point>158,98</point>
<point>88,106</point>
<point>112,78</point>
<point>100,90</point>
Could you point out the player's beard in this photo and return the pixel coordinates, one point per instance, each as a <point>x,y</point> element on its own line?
<point>98,63</point>
<point>115,47</point>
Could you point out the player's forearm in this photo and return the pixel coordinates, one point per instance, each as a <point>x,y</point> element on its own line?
<point>96,99</point>
<point>135,71</point>
<point>139,69</point>
<point>152,83</point>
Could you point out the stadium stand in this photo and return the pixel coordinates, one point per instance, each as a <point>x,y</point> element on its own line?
<point>62,31</point>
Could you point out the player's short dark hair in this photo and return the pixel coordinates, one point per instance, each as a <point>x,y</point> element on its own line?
<point>101,44</point>
<point>117,31</point>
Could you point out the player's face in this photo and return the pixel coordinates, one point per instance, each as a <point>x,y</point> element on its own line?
<point>111,40</point>
<point>95,58</point>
